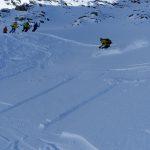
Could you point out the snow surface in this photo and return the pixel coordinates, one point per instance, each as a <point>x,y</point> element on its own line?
<point>58,91</point>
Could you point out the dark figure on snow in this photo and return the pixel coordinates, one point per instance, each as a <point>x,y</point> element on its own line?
<point>26,27</point>
<point>5,30</point>
<point>105,43</point>
<point>14,26</point>
<point>35,26</point>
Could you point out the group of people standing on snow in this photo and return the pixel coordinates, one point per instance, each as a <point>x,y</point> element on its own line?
<point>26,27</point>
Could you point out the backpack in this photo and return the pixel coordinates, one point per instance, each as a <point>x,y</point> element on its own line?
<point>109,41</point>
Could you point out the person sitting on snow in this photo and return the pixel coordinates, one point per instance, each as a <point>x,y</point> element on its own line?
<point>105,43</point>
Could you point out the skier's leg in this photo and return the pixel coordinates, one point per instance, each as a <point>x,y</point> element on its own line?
<point>26,30</point>
<point>11,31</point>
<point>33,30</point>
<point>100,47</point>
<point>107,46</point>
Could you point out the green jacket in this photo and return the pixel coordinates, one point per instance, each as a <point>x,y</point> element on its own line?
<point>26,25</point>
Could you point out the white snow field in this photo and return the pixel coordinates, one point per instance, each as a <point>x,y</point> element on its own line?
<point>58,91</point>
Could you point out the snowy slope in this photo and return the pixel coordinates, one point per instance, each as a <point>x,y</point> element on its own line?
<point>58,91</point>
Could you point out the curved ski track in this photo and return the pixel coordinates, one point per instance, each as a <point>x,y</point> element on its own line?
<point>32,98</point>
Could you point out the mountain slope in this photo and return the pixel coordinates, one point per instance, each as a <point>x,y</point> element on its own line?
<point>58,91</point>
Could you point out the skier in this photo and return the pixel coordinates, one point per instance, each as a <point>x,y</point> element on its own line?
<point>5,30</point>
<point>35,26</point>
<point>105,43</point>
<point>26,27</point>
<point>14,26</point>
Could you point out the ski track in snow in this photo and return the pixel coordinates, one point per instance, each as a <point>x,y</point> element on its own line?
<point>4,103</point>
<point>17,73</point>
<point>38,48</point>
<point>68,112</point>
<point>68,40</point>
<point>27,68</point>
<point>4,138</point>
<point>133,67</point>
<point>32,98</point>
<point>44,50</point>
<point>15,142</point>
<point>58,38</point>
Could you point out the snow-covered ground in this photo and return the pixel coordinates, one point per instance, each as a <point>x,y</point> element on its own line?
<point>58,91</point>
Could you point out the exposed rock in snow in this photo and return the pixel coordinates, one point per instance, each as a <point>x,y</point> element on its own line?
<point>13,3</point>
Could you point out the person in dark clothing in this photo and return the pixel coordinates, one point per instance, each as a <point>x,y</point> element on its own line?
<point>5,30</point>
<point>35,26</point>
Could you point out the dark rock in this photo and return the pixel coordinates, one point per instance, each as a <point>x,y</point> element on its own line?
<point>23,7</point>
